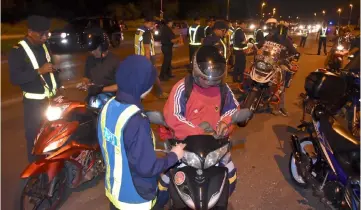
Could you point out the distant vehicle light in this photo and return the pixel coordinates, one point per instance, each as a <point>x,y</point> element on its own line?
<point>330,23</point>
<point>64,41</point>
<point>63,35</point>
<point>49,34</point>
<point>264,27</point>
<point>302,26</point>
<point>252,26</point>
<point>156,32</point>
<point>309,26</point>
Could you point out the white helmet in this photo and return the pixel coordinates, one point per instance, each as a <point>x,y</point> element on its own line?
<point>271,24</point>
<point>271,21</point>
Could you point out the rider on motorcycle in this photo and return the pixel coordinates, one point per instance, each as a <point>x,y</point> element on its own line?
<point>100,66</point>
<point>200,97</point>
<point>127,141</point>
<point>277,37</point>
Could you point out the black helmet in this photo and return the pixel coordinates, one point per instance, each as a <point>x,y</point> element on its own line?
<point>96,37</point>
<point>209,67</point>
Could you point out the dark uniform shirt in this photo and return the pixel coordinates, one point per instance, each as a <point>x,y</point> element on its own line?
<point>239,38</point>
<point>207,31</point>
<point>260,39</point>
<point>147,36</point>
<point>22,72</point>
<point>101,71</point>
<point>289,49</point>
<point>167,35</point>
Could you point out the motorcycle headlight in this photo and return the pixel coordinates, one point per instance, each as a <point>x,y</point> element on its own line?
<point>54,145</point>
<point>191,159</point>
<point>156,32</point>
<point>340,47</point>
<point>261,65</point>
<point>252,26</point>
<point>214,157</point>
<point>54,112</point>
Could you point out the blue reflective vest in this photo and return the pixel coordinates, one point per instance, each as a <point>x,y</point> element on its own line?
<point>119,187</point>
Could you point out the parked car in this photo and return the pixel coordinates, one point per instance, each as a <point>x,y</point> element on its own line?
<point>72,37</point>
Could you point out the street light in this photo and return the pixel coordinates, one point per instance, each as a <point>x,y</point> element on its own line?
<point>315,14</point>
<point>339,16</point>
<point>274,11</point>
<point>263,4</point>
<point>349,19</point>
<point>323,12</point>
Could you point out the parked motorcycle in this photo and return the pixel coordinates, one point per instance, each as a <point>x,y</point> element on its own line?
<point>267,76</point>
<point>198,181</point>
<point>328,159</point>
<point>68,154</point>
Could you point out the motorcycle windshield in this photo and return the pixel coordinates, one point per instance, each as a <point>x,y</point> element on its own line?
<point>270,52</point>
<point>202,145</point>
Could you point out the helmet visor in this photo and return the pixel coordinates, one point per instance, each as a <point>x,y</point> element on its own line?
<point>209,73</point>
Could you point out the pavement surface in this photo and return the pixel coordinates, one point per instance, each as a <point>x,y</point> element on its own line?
<point>262,161</point>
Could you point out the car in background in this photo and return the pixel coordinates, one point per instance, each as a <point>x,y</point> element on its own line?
<point>179,28</point>
<point>73,36</point>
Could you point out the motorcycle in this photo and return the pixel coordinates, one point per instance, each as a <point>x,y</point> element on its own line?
<point>198,181</point>
<point>267,72</point>
<point>68,154</point>
<point>328,158</point>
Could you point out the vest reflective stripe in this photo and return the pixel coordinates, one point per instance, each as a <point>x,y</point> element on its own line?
<point>231,33</point>
<point>323,32</point>
<point>113,192</point>
<point>34,62</point>
<point>225,49</point>
<point>192,36</point>
<point>239,48</point>
<point>138,43</point>
<point>305,33</point>
<point>255,32</point>
<point>205,31</point>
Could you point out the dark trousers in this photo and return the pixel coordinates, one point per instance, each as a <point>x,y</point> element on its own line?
<point>33,116</point>
<point>322,41</point>
<point>192,50</point>
<point>158,86</point>
<point>239,66</point>
<point>167,61</point>
<point>303,41</point>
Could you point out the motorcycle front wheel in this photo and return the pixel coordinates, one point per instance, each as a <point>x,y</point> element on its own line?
<point>35,192</point>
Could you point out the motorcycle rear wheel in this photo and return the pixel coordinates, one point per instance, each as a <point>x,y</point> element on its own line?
<point>295,176</point>
<point>34,191</point>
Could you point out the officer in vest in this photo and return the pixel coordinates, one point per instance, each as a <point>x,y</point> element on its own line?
<point>239,45</point>
<point>196,35</point>
<point>32,70</point>
<point>322,38</point>
<point>230,35</point>
<point>208,28</point>
<point>127,141</point>
<point>220,29</point>
<point>304,35</point>
<point>144,45</point>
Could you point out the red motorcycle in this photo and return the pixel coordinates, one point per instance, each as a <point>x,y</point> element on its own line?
<point>68,155</point>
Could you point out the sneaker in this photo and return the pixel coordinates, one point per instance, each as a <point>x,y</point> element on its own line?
<point>283,112</point>
<point>163,95</point>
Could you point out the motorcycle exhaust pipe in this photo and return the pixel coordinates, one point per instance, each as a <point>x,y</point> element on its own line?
<point>296,147</point>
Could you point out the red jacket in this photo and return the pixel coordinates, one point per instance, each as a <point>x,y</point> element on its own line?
<point>203,106</point>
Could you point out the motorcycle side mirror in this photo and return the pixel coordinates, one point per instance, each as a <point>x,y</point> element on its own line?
<point>242,115</point>
<point>156,117</point>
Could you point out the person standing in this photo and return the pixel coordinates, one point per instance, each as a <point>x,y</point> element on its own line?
<point>167,39</point>
<point>31,69</point>
<point>239,45</point>
<point>220,29</point>
<point>208,28</point>
<point>322,38</point>
<point>196,35</point>
<point>304,36</point>
<point>144,45</point>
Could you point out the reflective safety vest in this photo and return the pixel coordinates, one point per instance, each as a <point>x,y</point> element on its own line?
<point>205,31</point>
<point>305,33</point>
<point>138,42</point>
<point>323,32</point>
<point>119,187</point>
<point>231,33</point>
<point>224,49</point>
<point>47,92</point>
<point>244,42</point>
<point>193,35</point>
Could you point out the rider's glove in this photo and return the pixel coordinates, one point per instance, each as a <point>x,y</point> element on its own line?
<point>94,90</point>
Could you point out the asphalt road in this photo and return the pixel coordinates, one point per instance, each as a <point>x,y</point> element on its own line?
<point>263,179</point>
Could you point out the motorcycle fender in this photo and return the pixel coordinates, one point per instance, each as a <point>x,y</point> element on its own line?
<point>52,168</point>
<point>203,188</point>
<point>67,151</point>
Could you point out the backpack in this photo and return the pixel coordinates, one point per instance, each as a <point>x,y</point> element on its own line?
<point>188,87</point>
